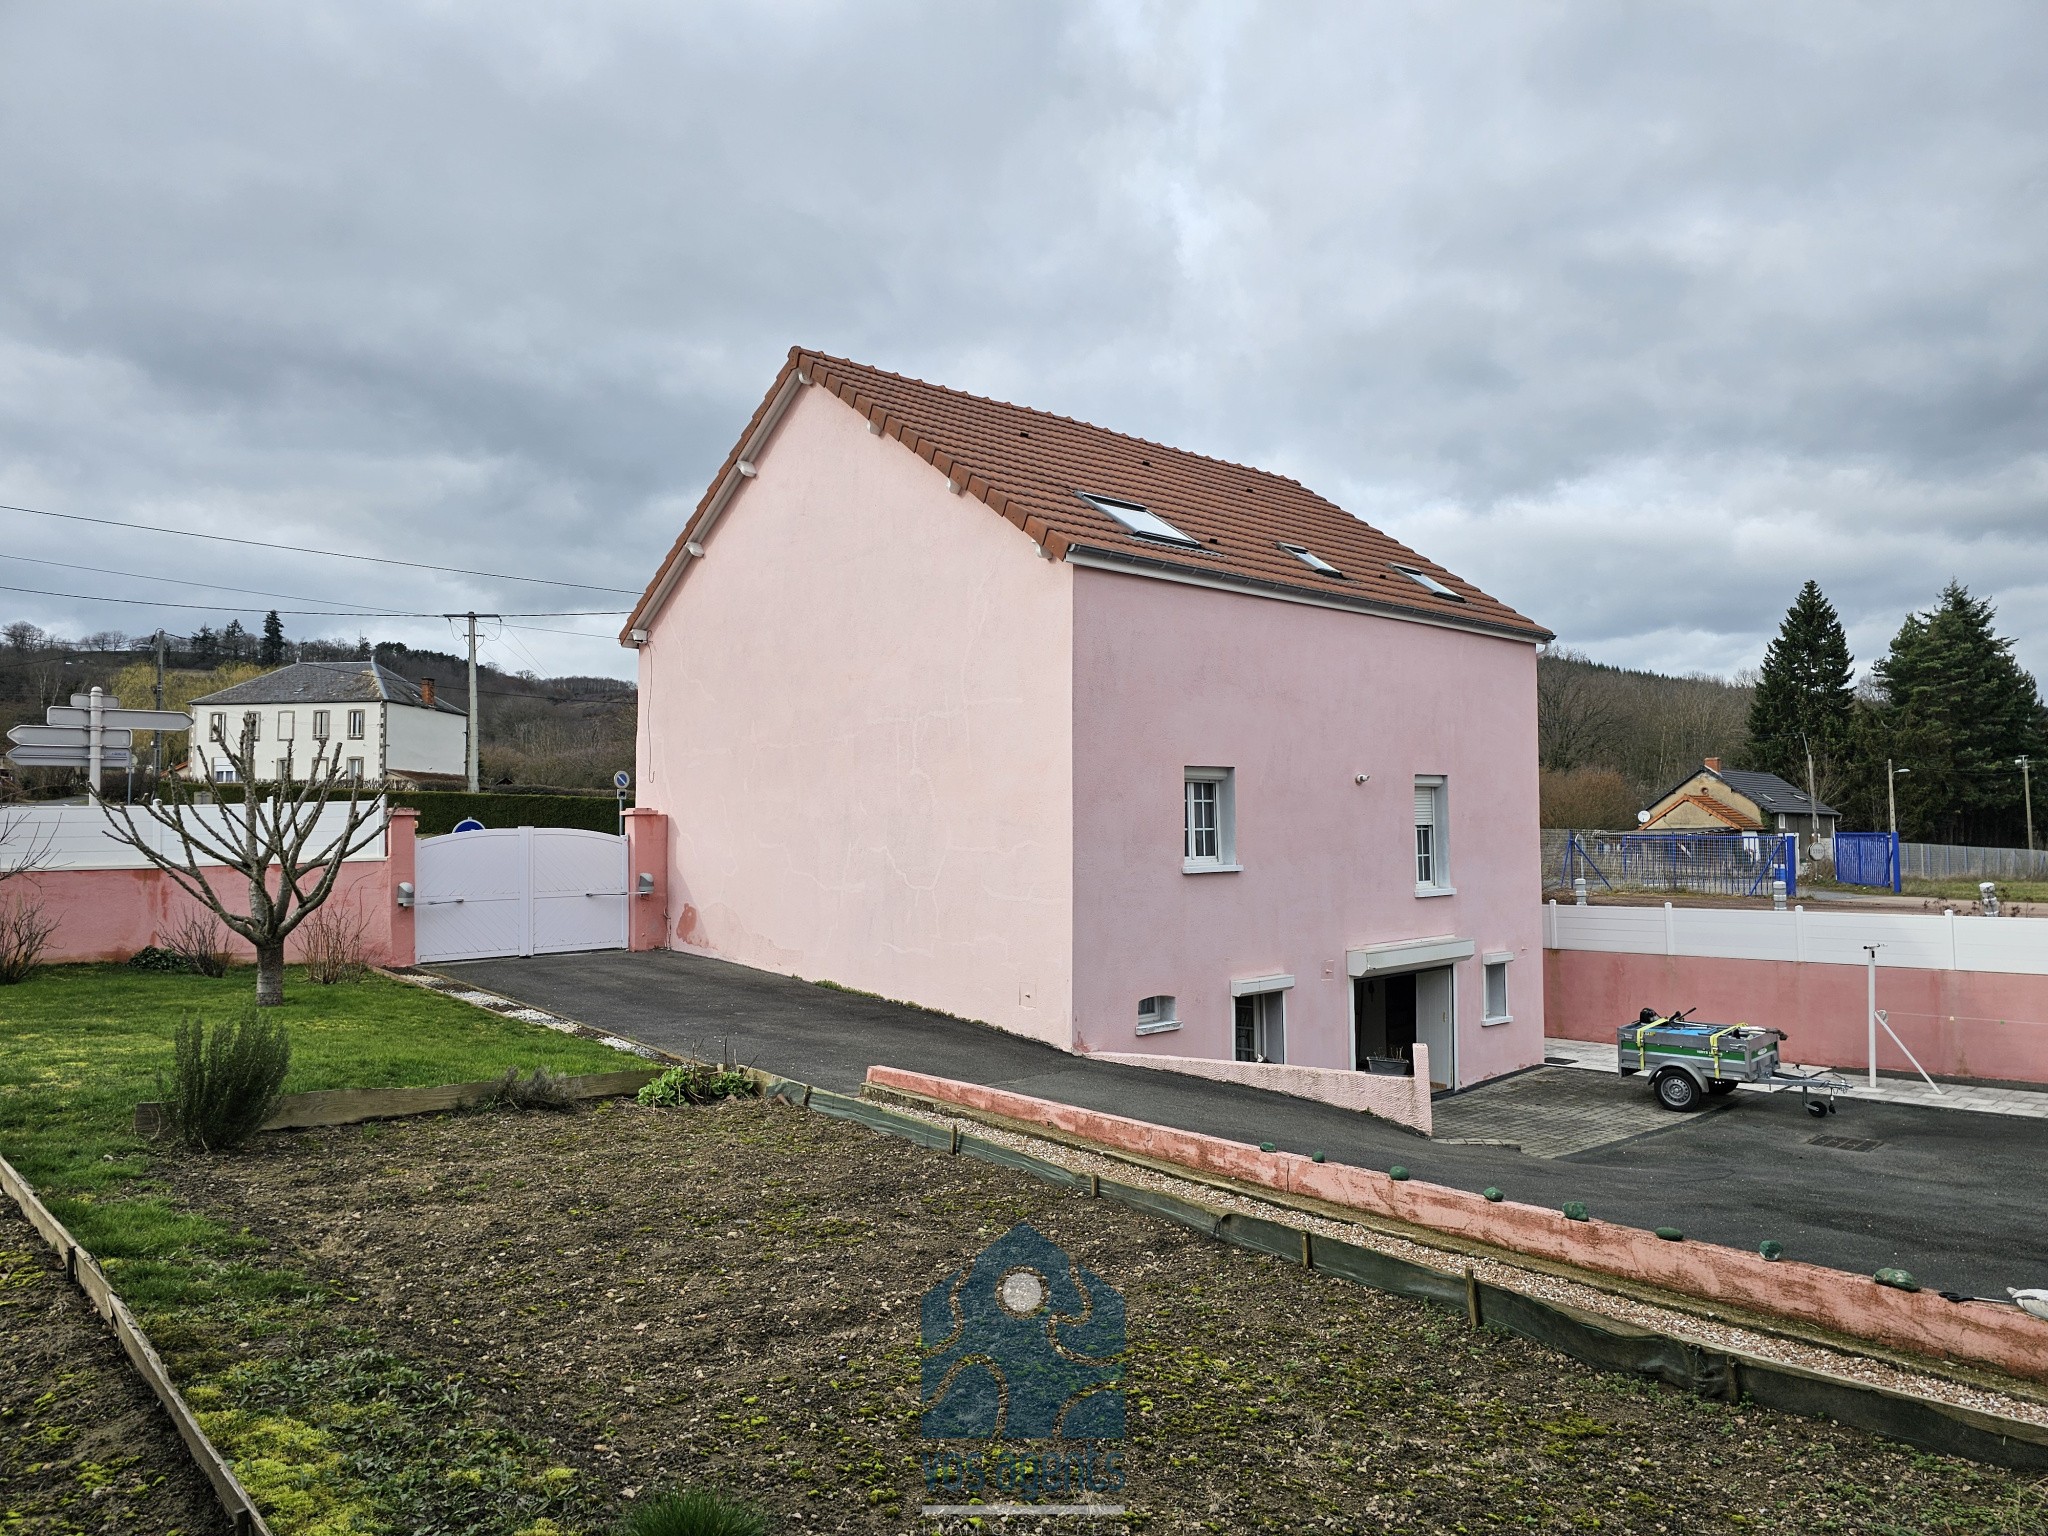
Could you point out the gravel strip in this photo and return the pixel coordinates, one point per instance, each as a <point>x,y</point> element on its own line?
<point>1587,1298</point>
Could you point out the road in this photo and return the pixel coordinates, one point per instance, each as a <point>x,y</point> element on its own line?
<point>1955,1198</point>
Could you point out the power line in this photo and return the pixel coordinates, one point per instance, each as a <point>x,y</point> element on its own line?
<point>301,549</point>
<point>182,581</point>
<point>311,613</point>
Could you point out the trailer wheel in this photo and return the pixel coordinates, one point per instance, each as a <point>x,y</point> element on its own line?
<point>1723,1085</point>
<point>1817,1109</point>
<point>1676,1089</point>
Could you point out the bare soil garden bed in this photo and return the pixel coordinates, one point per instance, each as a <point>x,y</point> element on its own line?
<point>84,1446</point>
<point>549,1313</point>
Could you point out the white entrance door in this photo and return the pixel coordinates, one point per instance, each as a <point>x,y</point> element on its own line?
<point>519,891</point>
<point>1435,1024</point>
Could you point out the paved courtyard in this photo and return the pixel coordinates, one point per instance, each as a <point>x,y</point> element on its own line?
<point>1954,1198</point>
<point>1555,1112</point>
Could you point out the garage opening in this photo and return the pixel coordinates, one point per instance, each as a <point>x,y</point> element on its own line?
<point>1391,1011</point>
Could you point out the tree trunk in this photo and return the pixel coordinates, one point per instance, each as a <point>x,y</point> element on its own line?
<point>269,975</point>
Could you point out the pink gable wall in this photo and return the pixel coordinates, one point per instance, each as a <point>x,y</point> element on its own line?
<point>855,712</point>
<point>1299,700</point>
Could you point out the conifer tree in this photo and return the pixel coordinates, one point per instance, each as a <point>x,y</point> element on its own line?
<point>272,653</point>
<point>1803,699</point>
<point>1958,709</point>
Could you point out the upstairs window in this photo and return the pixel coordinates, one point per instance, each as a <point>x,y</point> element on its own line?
<point>287,724</point>
<point>1432,846</point>
<point>355,725</point>
<point>1145,524</point>
<point>1208,820</point>
<point>252,726</point>
<point>217,726</point>
<point>320,724</point>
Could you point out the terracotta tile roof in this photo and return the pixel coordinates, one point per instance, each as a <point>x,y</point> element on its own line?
<point>1720,811</point>
<point>1028,466</point>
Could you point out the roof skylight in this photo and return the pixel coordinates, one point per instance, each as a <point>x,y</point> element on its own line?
<point>1429,583</point>
<point>1145,524</point>
<point>1309,558</point>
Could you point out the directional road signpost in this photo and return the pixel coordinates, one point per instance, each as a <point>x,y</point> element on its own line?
<point>94,733</point>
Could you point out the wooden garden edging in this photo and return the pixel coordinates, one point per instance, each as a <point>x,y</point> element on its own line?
<point>86,1273</point>
<point>348,1106</point>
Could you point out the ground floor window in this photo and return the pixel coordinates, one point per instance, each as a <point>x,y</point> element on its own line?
<point>1496,990</point>
<point>1156,1015</point>
<point>1260,1027</point>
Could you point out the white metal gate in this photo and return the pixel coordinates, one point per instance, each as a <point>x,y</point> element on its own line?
<point>519,891</point>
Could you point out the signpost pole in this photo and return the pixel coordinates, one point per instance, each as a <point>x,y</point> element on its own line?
<point>95,739</point>
<point>472,706</point>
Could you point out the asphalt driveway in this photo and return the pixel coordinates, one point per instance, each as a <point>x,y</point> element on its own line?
<point>1956,1198</point>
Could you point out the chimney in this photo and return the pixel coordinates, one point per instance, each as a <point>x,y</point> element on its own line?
<point>427,698</point>
<point>1713,763</point>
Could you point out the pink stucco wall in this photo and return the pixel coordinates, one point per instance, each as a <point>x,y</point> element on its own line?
<point>1404,1100</point>
<point>1855,1305</point>
<point>855,713</point>
<point>1299,701</point>
<point>1981,1024</point>
<point>109,914</point>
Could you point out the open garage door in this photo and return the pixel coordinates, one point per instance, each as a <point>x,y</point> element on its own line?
<point>519,891</point>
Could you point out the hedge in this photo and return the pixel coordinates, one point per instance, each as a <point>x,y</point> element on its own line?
<point>440,809</point>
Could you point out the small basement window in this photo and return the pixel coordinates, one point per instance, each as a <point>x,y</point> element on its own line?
<point>1312,560</point>
<point>1145,524</point>
<point>1429,583</point>
<point>1156,1015</point>
<point>1496,990</point>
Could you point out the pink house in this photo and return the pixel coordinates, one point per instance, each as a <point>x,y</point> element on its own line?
<point>1091,739</point>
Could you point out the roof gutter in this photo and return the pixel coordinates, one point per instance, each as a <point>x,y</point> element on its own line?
<point>1097,557</point>
<point>739,469</point>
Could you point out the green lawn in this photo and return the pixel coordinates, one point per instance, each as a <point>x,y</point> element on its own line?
<point>81,1045</point>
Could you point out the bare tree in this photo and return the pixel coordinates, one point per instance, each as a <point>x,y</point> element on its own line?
<point>269,839</point>
<point>25,927</point>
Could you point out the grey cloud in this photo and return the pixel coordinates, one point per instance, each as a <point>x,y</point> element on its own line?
<point>1636,317</point>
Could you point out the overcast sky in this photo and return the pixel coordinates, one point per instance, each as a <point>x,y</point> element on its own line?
<point>1637,316</point>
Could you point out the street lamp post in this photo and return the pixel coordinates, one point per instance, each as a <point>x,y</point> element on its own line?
<point>2027,791</point>
<point>1891,794</point>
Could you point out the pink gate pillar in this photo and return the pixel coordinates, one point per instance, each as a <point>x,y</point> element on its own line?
<point>401,867</point>
<point>646,854</point>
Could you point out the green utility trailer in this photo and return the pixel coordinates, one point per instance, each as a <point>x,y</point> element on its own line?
<point>1687,1062</point>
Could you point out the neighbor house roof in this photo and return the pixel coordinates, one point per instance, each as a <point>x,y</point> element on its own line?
<point>327,682</point>
<point>1032,466</point>
<point>1766,791</point>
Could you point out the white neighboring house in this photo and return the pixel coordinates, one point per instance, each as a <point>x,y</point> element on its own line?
<point>368,719</point>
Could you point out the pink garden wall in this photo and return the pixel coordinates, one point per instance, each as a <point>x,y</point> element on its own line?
<point>1298,700</point>
<point>109,914</point>
<point>854,711</point>
<point>1978,1024</point>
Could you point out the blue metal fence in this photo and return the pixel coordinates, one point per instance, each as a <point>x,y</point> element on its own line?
<point>1719,863</point>
<point>1867,858</point>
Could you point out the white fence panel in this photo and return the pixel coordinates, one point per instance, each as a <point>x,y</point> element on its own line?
<point>77,836</point>
<point>519,891</point>
<point>1908,940</point>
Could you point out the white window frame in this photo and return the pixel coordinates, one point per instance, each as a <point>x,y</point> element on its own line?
<point>1158,1014</point>
<point>357,719</point>
<point>287,725</point>
<point>223,773</point>
<point>321,722</point>
<point>355,770</point>
<point>252,724</point>
<point>217,726</point>
<point>1438,870</point>
<point>1268,996</point>
<point>1224,795</point>
<point>1494,964</point>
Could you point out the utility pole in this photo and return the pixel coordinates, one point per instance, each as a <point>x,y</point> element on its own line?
<point>470,619</point>
<point>156,738</point>
<point>2027,790</point>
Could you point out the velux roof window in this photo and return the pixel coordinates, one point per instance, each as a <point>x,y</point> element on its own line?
<point>1312,560</point>
<point>1429,583</point>
<point>1145,524</point>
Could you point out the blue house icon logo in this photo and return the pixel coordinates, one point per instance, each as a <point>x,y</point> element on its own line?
<point>1023,1344</point>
